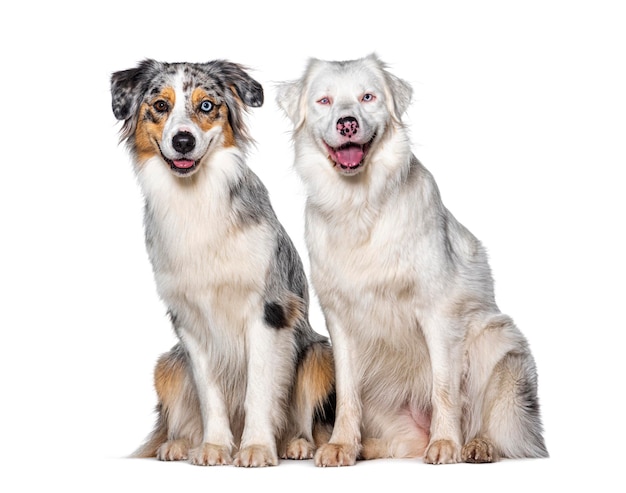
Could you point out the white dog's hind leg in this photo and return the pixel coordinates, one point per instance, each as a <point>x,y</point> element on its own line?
<point>501,385</point>
<point>444,340</point>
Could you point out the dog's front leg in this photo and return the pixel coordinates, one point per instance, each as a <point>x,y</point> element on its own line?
<point>269,363</point>
<point>217,445</point>
<point>444,340</point>
<point>345,442</point>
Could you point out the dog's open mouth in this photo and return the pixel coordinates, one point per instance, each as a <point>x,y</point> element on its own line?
<point>182,166</point>
<point>179,166</point>
<point>349,157</point>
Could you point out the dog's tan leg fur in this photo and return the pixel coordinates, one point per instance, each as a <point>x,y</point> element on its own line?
<point>178,429</point>
<point>314,383</point>
<point>178,424</point>
<point>169,375</point>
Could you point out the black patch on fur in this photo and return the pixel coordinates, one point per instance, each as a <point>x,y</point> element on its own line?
<point>173,318</point>
<point>530,402</point>
<point>249,198</point>
<point>275,315</point>
<point>527,392</point>
<point>326,413</point>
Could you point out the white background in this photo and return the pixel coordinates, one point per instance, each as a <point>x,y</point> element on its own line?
<point>519,111</point>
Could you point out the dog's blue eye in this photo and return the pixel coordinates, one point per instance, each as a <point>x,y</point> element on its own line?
<point>323,101</point>
<point>368,98</point>
<point>206,106</point>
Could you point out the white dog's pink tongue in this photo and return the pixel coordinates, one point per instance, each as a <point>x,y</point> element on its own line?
<point>183,163</point>
<point>350,156</point>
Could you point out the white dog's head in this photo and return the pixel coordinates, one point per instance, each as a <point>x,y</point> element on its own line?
<point>344,109</point>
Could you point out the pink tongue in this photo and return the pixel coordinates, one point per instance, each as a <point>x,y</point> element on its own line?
<point>183,163</point>
<point>350,156</point>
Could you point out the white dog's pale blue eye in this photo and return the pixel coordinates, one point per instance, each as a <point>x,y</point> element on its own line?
<point>368,98</point>
<point>323,101</point>
<point>206,106</point>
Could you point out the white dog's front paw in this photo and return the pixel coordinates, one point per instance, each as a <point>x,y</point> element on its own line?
<point>478,451</point>
<point>443,452</point>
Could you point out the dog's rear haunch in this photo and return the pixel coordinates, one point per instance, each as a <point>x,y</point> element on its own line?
<point>249,380</point>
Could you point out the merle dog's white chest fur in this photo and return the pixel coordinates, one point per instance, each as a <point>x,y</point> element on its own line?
<point>202,263</point>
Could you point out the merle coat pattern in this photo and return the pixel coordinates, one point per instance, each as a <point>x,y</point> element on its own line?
<point>249,380</point>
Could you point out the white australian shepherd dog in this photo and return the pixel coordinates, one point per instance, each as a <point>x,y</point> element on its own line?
<point>250,380</point>
<point>426,364</point>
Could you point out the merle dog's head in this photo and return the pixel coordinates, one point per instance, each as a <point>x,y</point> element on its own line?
<point>179,111</point>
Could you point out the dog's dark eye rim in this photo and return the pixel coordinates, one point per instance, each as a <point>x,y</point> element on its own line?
<point>161,105</point>
<point>206,106</point>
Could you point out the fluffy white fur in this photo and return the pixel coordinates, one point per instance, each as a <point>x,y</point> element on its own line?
<point>426,365</point>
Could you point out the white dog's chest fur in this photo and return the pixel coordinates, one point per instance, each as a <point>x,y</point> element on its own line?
<point>375,279</point>
<point>383,251</point>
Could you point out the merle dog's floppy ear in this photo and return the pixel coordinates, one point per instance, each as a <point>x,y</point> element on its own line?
<point>250,91</point>
<point>127,90</point>
<point>240,90</point>
<point>235,76</point>
<point>123,92</point>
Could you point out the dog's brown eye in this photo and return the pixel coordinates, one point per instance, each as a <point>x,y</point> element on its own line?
<point>206,106</point>
<point>161,106</point>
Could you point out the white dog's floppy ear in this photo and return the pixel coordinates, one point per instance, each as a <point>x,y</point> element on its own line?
<point>400,95</point>
<point>290,100</point>
<point>292,96</point>
<point>398,92</point>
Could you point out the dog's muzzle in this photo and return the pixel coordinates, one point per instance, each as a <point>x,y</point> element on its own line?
<point>183,143</point>
<point>349,156</point>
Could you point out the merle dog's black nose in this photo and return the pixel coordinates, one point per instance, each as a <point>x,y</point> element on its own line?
<point>183,142</point>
